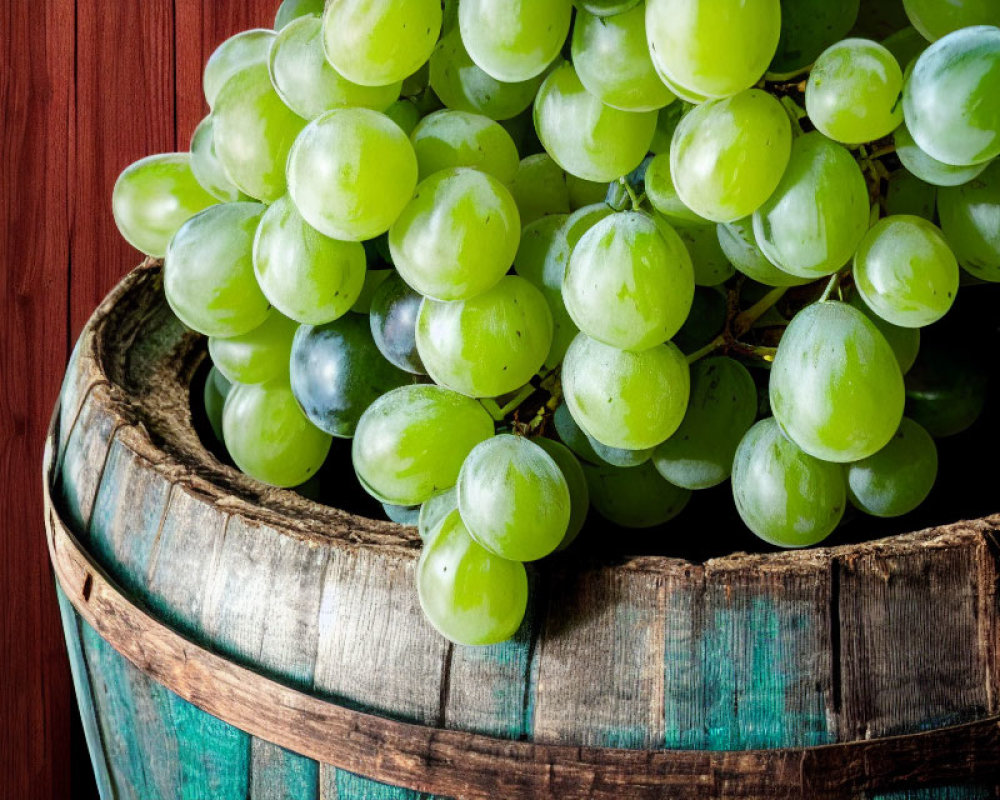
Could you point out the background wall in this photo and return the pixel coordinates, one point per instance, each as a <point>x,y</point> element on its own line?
<point>86,88</point>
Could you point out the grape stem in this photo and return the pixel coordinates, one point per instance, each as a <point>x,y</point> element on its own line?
<point>636,202</point>
<point>729,339</point>
<point>832,284</point>
<point>746,319</point>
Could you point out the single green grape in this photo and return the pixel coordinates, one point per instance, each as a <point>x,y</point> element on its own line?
<point>578,223</point>
<point>836,387</point>
<point>217,388</point>
<point>434,510</point>
<point>351,172</point>
<point>458,235</point>
<point>630,282</point>
<point>950,101</point>
<point>634,497</point>
<point>207,167</point>
<point>576,482</point>
<point>714,48</point>
<point>899,477</point>
<point>706,320</point>
<point>401,515</point>
<point>906,272</point>
<point>583,193</point>
<point>405,114</point>
<point>970,221</point>
<point>808,27</point>
<point>905,342</point>
<point>606,8</point>
<point>711,267</point>
<point>290,10</point>
<point>585,137</point>
<point>946,390</point>
<point>489,345</point>
<point>908,194</point>
<point>237,53</point>
<point>514,40</point>
<point>447,139</point>
<point>411,442</point>
<point>723,406</point>
<point>469,595</point>
<point>727,156</point>
<point>393,322</point>
<point>681,92</point>
<point>572,435</point>
<point>935,19</point>
<point>208,271</point>
<point>258,356</point>
<point>539,188</point>
<point>784,495</point>
<point>269,437</point>
<point>631,401</point>
<point>928,168</point>
<point>617,457</point>
<point>740,247</point>
<point>378,42</point>
<point>662,193</point>
<point>814,221</point>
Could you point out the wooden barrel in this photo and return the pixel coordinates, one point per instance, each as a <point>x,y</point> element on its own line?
<point>229,640</point>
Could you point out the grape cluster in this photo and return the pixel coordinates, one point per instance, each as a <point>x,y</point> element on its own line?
<point>533,258</point>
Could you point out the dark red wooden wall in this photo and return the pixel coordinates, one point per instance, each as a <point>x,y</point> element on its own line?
<point>86,87</point>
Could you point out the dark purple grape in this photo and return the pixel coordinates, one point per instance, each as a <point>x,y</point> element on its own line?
<point>394,324</point>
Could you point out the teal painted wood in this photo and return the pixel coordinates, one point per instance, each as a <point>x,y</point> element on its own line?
<point>685,726</point>
<point>278,774</point>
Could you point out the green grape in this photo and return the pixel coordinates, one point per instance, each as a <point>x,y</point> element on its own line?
<point>541,260</point>
<point>401,515</point>
<point>469,595</point>
<point>898,477</point>
<point>458,235</point>
<point>906,45</point>
<point>207,168</point>
<point>907,194</point>
<point>254,131</point>
<point>728,155</point>
<point>573,437</point>
<point>662,193</point>
<point>237,53</point>
<point>217,388</point>
<point>405,114</point>
<point>950,101</point>
<point>723,407</point>
<point>411,442</point>
<point>970,221</point>
<point>667,120</point>
<point>946,389</point>
<point>447,139</point>
<point>585,137</point>
<point>308,83</point>
<point>929,169</point>
<point>258,356</point>
<point>513,498</point>
<point>934,18</point>
<point>583,193</point>
<point>208,271</point>
<point>374,278</point>
<point>269,437</point>
<point>706,320</point>
<point>814,221</point>
<point>463,86</point>
<point>905,342</point>
<point>576,482</point>
<point>711,267</point>
<point>631,401</point>
<point>579,222</point>
<point>351,172</point>
<point>434,510</point>
<point>514,40</point>
<point>393,323</point>
<point>634,497</point>
<point>290,10</point>
<point>784,495</point>
<point>836,386</point>
<point>489,345</point>
<point>740,248</point>
<point>378,42</point>
<point>305,275</point>
<point>617,457</point>
<point>606,8</point>
<point>808,27</point>
<point>681,92</point>
<point>539,188</point>
<point>612,59</point>
<point>713,47</point>
<point>853,92</point>
<point>906,272</point>
<point>630,283</point>
<point>153,197</point>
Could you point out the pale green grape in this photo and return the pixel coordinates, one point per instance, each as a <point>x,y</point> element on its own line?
<point>258,356</point>
<point>405,114</point>
<point>469,595</point>
<point>740,247</point>
<point>634,497</point>
<point>630,283</point>
<point>814,221</point>
<point>458,235</point>
<point>906,272</point>
<point>217,388</point>
<point>682,92</point>
<point>908,194</point>
<point>584,193</point>
<point>836,386</point>
<point>713,47</point>
<point>411,442</point>
<point>928,168</point>
<point>937,18</point>
<point>246,49</point>
<point>539,188</point>
<point>581,444</point>
<point>576,482</point>
<point>207,168</point>
<point>351,172</point>
<point>612,59</point>
<point>579,222</point>
<point>711,267</point>
<point>898,477</point>
<point>905,45</point>
<point>951,102</point>
<point>308,83</point>
<point>488,345</point>
<point>631,401</point>
<point>784,495</point>
<point>662,193</point>
<point>447,139</point>
<point>208,271</point>
<point>378,42</point>
<point>728,155</point>
<point>905,342</point>
<point>290,10</point>
<point>401,515</point>
<point>970,220</point>
<point>514,40</point>
<point>463,86</point>
<point>269,437</point>
<point>723,406</point>
<point>853,92</point>
<point>585,137</point>
<point>513,498</point>
<point>606,8</point>
<point>808,27</point>
<point>617,457</point>
<point>153,197</point>
<point>434,510</point>
<point>254,131</point>
<point>374,278</point>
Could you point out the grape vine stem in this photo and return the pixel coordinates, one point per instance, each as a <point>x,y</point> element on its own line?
<point>830,286</point>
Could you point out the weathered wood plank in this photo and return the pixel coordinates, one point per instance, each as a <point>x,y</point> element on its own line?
<point>685,726</point>
<point>278,774</point>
